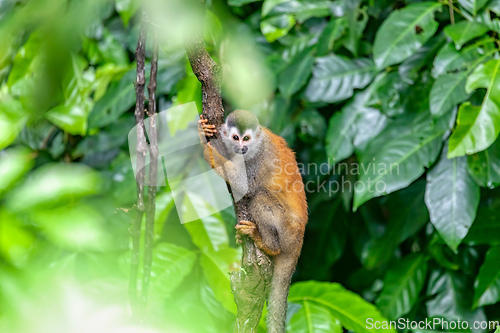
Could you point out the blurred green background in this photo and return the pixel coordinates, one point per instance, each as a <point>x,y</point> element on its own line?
<point>403,94</point>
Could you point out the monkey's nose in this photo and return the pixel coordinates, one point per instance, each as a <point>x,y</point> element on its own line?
<point>244,149</point>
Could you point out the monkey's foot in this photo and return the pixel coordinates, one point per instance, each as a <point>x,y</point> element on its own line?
<point>206,129</point>
<point>249,229</point>
<point>246,228</point>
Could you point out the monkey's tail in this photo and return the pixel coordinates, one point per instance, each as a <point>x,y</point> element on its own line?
<point>284,266</point>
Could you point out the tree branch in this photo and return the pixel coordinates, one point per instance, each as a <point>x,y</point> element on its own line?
<point>249,286</point>
<point>135,229</point>
<point>153,170</point>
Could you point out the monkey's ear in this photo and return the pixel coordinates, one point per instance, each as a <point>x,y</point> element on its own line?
<point>258,132</point>
<point>223,129</point>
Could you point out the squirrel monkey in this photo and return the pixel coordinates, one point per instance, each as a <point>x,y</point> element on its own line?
<point>271,180</point>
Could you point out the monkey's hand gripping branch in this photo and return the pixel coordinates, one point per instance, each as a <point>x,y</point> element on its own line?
<point>206,130</point>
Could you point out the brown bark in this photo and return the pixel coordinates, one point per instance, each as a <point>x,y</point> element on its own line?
<point>153,171</point>
<point>135,229</point>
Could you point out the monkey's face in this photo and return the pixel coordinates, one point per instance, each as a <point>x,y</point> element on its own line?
<point>241,141</point>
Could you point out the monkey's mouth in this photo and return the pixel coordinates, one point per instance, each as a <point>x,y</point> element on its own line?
<point>242,150</point>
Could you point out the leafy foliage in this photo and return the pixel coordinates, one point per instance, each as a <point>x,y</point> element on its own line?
<point>391,106</point>
<point>452,198</point>
<point>402,285</point>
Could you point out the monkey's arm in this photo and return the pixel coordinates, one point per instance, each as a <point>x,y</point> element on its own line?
<point>232,171</point>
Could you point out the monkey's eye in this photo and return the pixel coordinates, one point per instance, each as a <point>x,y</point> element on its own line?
<point>246,138</point>
<point>236,137</point>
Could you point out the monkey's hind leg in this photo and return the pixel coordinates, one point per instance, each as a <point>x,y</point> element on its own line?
<point>250,229</point>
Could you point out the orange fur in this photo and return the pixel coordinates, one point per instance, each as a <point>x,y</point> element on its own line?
<point>295,198</point>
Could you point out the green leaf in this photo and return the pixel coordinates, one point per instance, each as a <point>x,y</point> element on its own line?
<point>276,27</point>
<point>464,31</point>
<point>52,185</point>
<point>171,264</point>
<point>486,226</point>
<point>397,158</point>
<point>169,74</point>
<point>208,234</point>
<point>411,68</point>
<point>240,2</point>
<point>494,6</point>
<point>402,285</point>
<point>352,128</point>
<point>449,88</point>
<point>104,75</point>
<point>111,50</point>
<point>398,38</point>
<point>326,241</point>
<point>268,5</point>
<point>449,59</point>
<point>356,20</point>
<point>165,206</point>
<point>12,120</point>
<point>16,241</point>
<point>340,134</point>
<point>443,255</point>
<point>300,9</point>
<point>311,126</point>
<point>487,284</point>
<point>216,266</point>
<point>452,198</point>
<point>369,124</point>
<point>212,28</point>
<point>446,92</point>
<point>71,118</point>
<point>194,296</point>
<point>73,226</point>
<point>170,267</point>
<point>485,17</point>
<point>26,59</point>
<point>188,89</point>
<point>388,94</point>
<point>354,312</point>
<point>126,9</point>
<point>14,163</point>
<point>472,6</point>
<point>333,31</point>
<point>119,97</point>
<point>335,78</point>
<point>312,317</point>
<point>484,166</point>
<point>450,296</point>
<point>296,74</point>
<point>408,215</point>
<point>478,126</point>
